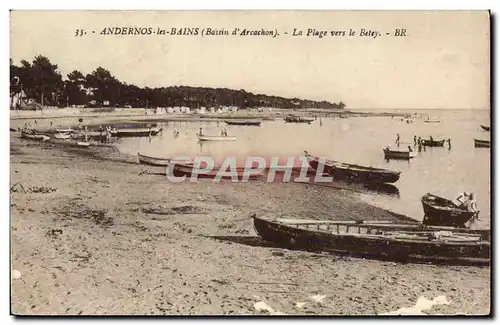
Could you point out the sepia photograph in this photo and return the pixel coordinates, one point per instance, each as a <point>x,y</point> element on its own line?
<point>257,163</point>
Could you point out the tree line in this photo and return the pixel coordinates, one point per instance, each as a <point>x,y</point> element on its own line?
<point>40,82</point>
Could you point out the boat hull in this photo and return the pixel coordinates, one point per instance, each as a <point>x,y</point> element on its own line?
<point>365,244</point>
<point>400,155</point>
<point>35,137</point>
<point>354,173</point>
<point>129,133</point>
<point>433,143</point>
<point>482,143</point>
<point>484,127</point>
<point>439,211</point>
<point>244,123</point>
<point>298,120</point>
<point>153,161</point>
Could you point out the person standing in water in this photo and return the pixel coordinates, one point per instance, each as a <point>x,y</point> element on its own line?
<point>449,143</point>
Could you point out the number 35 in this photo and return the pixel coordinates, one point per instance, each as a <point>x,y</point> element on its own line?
<point>79,32</point>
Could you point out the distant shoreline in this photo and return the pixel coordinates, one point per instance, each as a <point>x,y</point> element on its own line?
<point>149,115</point>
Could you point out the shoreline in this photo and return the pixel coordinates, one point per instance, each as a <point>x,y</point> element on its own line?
<point>91,225</point>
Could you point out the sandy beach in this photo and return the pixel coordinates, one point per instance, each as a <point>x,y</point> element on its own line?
<point>94,233</point>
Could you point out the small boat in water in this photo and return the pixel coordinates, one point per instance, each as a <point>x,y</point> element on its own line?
<point>141,132</point>
<point>215,138</point>
<point>353,172</point>
<point>439,211</point>
<point>34,136</point>
<point>397,154</point>
<point>382,239</point>
<point>243,122</point>
<point>482,143</point>
<point>297,119</point>
<point>433,143</point>
<point>486,128</point>
<point>428,120</point>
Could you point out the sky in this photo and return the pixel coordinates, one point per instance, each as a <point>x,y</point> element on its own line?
<point>442,62</point>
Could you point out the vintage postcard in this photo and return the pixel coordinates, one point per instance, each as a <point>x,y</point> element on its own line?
<point>250,162</point>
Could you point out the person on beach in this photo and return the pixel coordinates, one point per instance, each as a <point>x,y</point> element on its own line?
<point>397,139</point>
<point>100,132</point>
<point>409,149</point>
<point>86,134</point>
<point>430,138</point>
<point>461,201</point>
<point>449,143</point>
<point>201,132</point>
<point>50,124</point>
<point>414,140</point>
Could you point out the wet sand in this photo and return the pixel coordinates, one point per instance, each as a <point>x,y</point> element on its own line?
<point>93,234</point>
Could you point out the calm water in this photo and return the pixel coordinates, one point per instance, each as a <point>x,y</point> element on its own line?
<point>356,140</point>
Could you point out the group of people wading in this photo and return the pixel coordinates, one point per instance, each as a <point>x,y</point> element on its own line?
<point>419,142</point>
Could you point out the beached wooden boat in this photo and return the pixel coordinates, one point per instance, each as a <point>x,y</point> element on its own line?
<point>432,143</point>
<point>141,132</point>
<point>485,127</point>
<point>188,169</point>
<point>153,161</point>
<point>82,144</point>
<point>243,122</point>
<point>396,154</point>
<point>439,211</point>
<point>215,138</point>
<point>297,119</point>
<point>95,135</point>
<point>36,137</point>
<point>482,143</point>
<point>399,242</point>
<point>351,172</point>
<point>62,136</point>
<point>67,130</point>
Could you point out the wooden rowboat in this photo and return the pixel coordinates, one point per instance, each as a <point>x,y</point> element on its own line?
<point>243,122</point>
<point>82,144</point>
<point>188,169</point>
<point>353,172</point>
<point>485,127</point>
<point>396,154</point>
<point>95,135</point>
<point>62,136</point>
<point>215,138</point>
<point>297,119</point>
<point>399,242</point>
<point>67,130</point>
<point>142,132</point>
<point>153,161</point>
<point>482,143</point>
<point>433,143</point>
<point>439,211</point>
<point>36,137</point>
